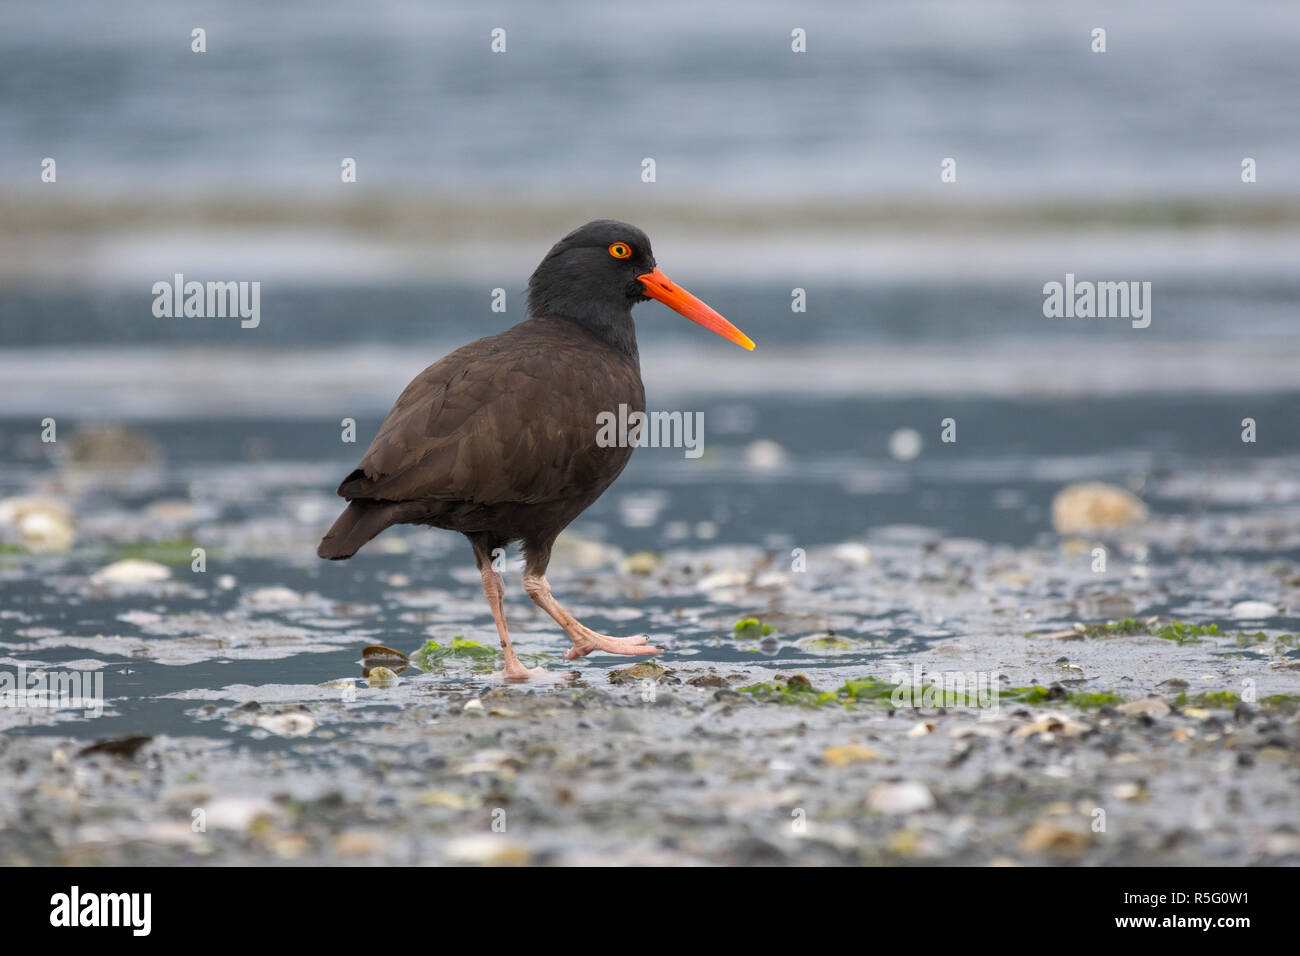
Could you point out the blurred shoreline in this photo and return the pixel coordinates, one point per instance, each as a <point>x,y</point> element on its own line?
<point>140,382</point>
<point>385,237</point>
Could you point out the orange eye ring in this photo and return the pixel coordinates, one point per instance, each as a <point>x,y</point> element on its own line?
<point>620,250</point>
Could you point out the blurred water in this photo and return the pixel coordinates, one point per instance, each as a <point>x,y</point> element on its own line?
<point>713,92</point>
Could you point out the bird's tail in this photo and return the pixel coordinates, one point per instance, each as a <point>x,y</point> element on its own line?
<point>360,522</point>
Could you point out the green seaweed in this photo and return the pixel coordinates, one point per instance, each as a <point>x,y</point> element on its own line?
<point>797,690</point>
<point>177,551</point>
<point>1127,626</point>
<point>752,627</point>
<point>1180,632</point>
<point>1286,703</point>
<point>867,688</point>
<point>1035,694</point>
<point>875,690</point>
<point>1259,637</point>
<point>433,654</point>
<point>1094,700</point>
<point>481,656</point>
<point>1221,699</point>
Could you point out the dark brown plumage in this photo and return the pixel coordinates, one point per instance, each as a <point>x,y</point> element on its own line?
<point>498,439</point>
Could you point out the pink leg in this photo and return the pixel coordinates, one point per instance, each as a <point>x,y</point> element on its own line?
<point>584,639</point>
<point>495,590</point>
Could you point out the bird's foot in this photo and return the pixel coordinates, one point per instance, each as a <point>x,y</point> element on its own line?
<point>587,641</point>
<point>517,671</point>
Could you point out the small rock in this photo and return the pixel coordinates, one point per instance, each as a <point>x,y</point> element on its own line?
<point>131,573</point>
<point>921,729</point>
<point>109,445</point>
<point>42,525</point>
<point>708,680</point>
<point>852,553</point>
<point>487,850</point>
<point>443,798</point>
<point>273,597</point>
<point>1150,706</point>
<point>361,842</point>
<point>1051,723</point>
<point>124,747</point>
<point>382,677</point>
<point>176,510</point>
<point>905,797</point>
<point>576,551</point>
<point>905,444</point>
<point>645,670</point>
<point>501,762</point>
<point>293,724</point>
<point>847,754</point>
<point>1095,506</point>
<point>764,455</point>
<point>1253,610</point>
<point>643,562</point>
<point>621,722</point>
<point>1047,836</point>
<point>236,812</point>
<point>723,579</point>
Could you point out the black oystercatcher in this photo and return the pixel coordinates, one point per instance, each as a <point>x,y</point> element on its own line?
<point>499,439</point>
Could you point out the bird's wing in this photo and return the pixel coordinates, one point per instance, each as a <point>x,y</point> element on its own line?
<point>487,424</point>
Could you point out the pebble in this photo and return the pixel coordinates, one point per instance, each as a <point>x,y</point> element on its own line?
<point>273,597</point>
<point>42,525</point>
<point>1151,706</point>
<point>764,455</point>
<point>1095,506</point>
<point>487,850</point>
<point>643,562</point>
<point>1052,723</point>
<point>295,724</point>
<point>846,754</point>
<point>906,797</point>
<point>905,444</point>
<point>361,842</point>
<point>235,812</point>
<point>110,445</point>
<point>852,553</point>
<point>1047,836</point>
<point>1253,610</point>
<point>131,572</point>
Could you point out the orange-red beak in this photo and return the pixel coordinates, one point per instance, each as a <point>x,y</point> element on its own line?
<point>661,288</point>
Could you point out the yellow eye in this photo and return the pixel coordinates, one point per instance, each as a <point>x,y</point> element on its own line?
<point>620,250</point>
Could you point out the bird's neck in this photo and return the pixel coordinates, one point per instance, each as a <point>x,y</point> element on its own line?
<point>612,327</point>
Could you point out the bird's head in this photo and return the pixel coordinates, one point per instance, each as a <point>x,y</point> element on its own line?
<point>596,273</point>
